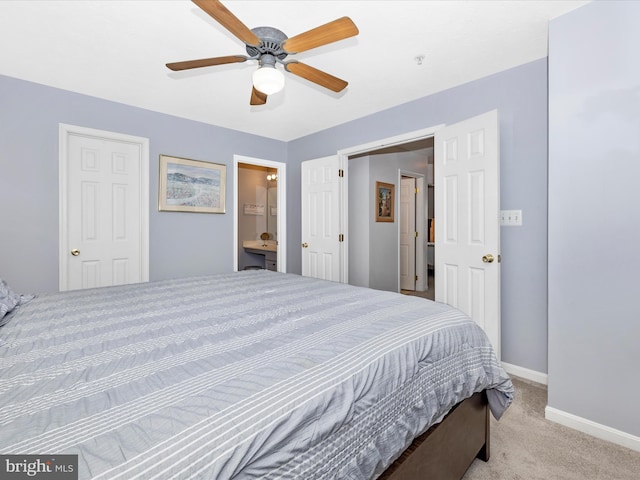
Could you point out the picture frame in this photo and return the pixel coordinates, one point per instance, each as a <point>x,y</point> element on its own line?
<point>385,202</point>
<point>191,185</point>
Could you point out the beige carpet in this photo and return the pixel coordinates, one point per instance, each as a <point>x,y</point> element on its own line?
<point>525,446</point>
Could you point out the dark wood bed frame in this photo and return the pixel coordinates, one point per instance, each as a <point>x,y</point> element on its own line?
<point>446,450</point>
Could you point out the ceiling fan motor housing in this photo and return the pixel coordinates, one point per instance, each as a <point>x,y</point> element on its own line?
<point>271,40</point>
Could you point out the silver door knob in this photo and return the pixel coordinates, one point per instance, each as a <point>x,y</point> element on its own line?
<point>75,252</point>
<point>488,258</point>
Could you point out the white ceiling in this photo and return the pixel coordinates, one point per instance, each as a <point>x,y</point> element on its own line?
<point>117,50</point>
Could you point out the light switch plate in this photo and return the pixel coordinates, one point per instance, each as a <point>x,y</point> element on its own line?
<point>511,218</point>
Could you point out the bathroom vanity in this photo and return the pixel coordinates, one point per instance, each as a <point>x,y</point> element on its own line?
<point>267,248</point>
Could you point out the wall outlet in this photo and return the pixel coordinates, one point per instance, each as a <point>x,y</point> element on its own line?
<point>511,218</point>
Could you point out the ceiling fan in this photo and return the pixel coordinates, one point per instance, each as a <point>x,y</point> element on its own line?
<point>269,46</point>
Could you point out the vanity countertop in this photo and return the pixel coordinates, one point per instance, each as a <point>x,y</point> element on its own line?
<point>265,246</point>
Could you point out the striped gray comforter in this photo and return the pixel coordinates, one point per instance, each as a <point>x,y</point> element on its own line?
<point>252,374</point>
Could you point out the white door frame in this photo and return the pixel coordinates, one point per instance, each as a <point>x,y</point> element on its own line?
<point>282,207</point>
<point>65,131</point>
<point>343,161</point>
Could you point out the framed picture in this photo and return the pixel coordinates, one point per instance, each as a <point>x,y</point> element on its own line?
<point>385,199</point>
<point>191,185</point>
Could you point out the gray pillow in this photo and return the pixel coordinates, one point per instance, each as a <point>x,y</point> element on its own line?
<point>9,300</point>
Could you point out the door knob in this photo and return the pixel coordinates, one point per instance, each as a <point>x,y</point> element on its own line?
<point>75,252</point>
<point>305,245</point>
<point>488,258</point>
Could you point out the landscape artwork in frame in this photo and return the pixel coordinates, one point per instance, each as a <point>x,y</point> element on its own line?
<point>191,185</point>
<point>385,198</point>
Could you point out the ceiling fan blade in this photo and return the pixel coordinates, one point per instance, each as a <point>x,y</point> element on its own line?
<point>328,33</point>
<point>316,76</point>
<point>205,62</point>
<point>228,20</point>
<point>257,97</point>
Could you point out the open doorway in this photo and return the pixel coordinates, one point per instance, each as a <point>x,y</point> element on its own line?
<point>259,225</point>
<point>383,255</point>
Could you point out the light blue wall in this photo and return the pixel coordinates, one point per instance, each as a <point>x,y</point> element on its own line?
<point>594,216</point>
<point>520,95</point>
<point>181,244</point>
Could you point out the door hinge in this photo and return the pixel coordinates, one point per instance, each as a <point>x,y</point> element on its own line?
<point>417,190</point>
<point>340,173</point>
<point>499,258</point>
<point>416,234</point>
<point>341,237</point>
<point>416,277</point>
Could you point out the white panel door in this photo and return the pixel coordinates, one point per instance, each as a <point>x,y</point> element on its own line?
<point>104,199</point>
<point>467,215</point>
<point>407,233</point>
<point>321,248</point>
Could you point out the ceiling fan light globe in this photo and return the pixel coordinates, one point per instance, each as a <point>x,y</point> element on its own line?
<point>268,80</point>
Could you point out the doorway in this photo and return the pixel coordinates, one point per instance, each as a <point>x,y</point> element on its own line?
<point>260,226</point>
<point>396,251</point>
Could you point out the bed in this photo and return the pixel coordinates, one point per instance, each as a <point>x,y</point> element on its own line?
<point>252,374</point>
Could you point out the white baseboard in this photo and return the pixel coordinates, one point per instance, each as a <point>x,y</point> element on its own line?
<point>592,428</point>
<point>572,421</point>
<point>525,373</point>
